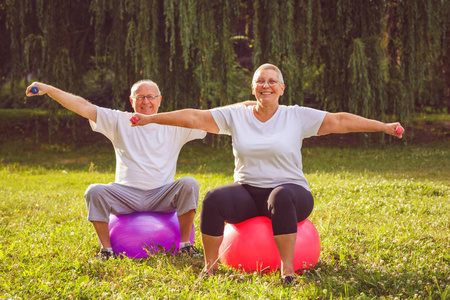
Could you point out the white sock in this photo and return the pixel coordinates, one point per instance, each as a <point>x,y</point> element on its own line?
<point>184,244</point>
<point>107,249</point>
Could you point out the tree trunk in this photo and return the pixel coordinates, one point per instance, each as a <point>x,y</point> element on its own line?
<point>445,62</point>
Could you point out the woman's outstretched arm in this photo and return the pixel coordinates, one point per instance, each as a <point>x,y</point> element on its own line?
<point>189,118</point>
<point>346,122</point>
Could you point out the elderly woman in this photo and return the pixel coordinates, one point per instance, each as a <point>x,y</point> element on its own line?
<point>268,177</point>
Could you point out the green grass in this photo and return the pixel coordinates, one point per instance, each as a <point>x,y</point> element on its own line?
<point>383,216</point>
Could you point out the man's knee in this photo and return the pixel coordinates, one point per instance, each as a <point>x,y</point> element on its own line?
<point>94,191</point>
<point>189,189</point>
<point>97,206</point>
<point>95,197</point>
<point>188,194</point>
<point>189,183</point>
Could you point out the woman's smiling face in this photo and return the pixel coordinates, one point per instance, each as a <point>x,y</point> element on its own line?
<point>267,86</point>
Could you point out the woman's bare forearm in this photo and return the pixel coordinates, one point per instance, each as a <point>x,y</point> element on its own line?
<point>346,122</point>
<point>188,118</point>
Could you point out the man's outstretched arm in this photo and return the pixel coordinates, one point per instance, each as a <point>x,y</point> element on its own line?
<point>72,102</point>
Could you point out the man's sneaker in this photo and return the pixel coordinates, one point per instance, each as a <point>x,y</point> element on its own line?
<point>104,255</point>
<point>189,250</point>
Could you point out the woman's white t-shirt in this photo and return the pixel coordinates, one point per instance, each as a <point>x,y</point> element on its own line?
<point>146,156</point>
<point>268,154</point>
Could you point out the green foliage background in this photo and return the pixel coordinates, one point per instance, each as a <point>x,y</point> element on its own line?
<point>374,57</point>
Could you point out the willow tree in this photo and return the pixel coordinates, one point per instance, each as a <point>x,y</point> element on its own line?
<point>416,33</point>
<point>48,39</point>
<point>182,45</point>
<point>376,58</point>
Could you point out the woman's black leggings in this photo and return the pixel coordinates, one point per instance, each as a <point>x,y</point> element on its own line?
<point>285,205</point>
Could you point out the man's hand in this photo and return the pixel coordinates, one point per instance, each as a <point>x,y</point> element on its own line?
<point>36,89</point>
<point>72,102</point>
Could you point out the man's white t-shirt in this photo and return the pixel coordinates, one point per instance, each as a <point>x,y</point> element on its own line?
<point>146,156</point>
<point>268,154</point>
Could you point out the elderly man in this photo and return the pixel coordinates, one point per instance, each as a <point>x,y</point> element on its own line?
<point>146,159</point>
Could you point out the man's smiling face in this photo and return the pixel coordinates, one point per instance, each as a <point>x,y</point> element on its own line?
<point>144,100</point>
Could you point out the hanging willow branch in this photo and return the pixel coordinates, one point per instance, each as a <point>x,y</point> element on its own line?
<point>359,80</point>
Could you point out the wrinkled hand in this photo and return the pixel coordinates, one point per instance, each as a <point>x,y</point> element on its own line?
<point>395,129</point>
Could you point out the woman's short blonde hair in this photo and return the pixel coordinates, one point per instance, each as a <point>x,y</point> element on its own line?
<point>270,67</point>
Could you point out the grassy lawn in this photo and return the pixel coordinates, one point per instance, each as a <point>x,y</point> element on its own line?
<point>383,215</point>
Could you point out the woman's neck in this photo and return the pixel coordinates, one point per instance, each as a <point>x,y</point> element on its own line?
<point>263,112</point>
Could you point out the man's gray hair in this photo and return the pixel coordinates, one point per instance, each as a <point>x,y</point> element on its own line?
<point>137,84</point>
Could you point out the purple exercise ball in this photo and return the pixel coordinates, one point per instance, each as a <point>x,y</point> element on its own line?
<point>138,234</point>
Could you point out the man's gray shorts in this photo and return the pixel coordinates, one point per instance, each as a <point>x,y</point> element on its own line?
<point>113,198</point>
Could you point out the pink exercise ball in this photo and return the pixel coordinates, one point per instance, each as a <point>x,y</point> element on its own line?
<point>250,246</point>
<point>135,235</point>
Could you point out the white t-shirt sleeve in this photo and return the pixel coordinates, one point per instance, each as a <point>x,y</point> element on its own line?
<point>194,134</point>
<point>311,119</point>
<point>106,119</point>
<point>224,117</point>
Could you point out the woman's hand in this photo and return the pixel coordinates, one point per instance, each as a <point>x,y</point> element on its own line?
<point>139,119</point>
<point>394,129</point>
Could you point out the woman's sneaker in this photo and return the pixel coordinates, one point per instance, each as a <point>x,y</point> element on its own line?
<point>289,280</point>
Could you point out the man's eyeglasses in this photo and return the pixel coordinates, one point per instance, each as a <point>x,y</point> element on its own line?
<point>149,97</point>
<point>269,82</point>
